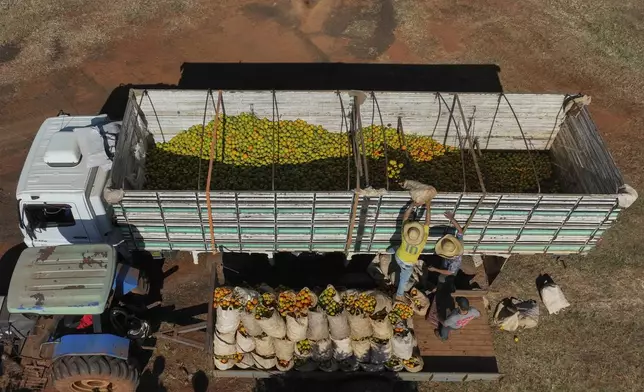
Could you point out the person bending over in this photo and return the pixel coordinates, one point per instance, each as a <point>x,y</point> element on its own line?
<point>457,319</point>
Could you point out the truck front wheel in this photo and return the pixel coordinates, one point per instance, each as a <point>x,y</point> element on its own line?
<point>94,374</point>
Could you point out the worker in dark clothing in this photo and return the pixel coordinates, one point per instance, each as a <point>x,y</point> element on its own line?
<point>450,249</point>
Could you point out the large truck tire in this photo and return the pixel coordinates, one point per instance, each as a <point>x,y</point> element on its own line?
<point>94,373</point>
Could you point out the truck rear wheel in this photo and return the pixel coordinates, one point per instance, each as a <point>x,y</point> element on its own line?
<point>94,374</point>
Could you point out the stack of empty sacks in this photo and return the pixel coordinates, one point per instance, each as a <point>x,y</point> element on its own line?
<point>350,330</point>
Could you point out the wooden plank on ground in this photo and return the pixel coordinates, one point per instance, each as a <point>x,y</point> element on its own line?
<point>469,293</point>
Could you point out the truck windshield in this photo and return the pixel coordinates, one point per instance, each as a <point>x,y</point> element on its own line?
<point>50,215</point>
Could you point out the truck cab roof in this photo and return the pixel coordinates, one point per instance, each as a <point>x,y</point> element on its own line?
<point>62,280</point>
<point>54,160</point>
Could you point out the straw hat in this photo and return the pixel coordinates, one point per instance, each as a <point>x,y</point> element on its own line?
<point>413,233</point>
<point>449,246</point>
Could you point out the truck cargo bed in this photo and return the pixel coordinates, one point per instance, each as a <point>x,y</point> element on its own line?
<point>570,222</point>
<point>319,222</point>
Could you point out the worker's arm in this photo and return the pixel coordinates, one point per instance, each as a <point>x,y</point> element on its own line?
<point>453,266</point>
<point>407,213</point>
<point>445,320</point>
<point>440,271</point>
<point>450,215</point>
<point>428,213</point>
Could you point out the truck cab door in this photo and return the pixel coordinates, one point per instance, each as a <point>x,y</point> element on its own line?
<point>51,224</point>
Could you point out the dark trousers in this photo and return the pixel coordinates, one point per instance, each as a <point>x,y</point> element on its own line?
<point>443,331</point>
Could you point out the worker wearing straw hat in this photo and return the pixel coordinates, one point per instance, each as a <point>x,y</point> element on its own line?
<point>414,237</point>
<point>450,248</point>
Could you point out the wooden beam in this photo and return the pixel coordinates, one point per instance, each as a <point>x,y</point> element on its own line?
<point>469,293</point>
<point>182,340</point>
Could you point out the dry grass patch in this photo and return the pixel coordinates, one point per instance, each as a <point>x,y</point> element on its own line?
<point>40,36</point>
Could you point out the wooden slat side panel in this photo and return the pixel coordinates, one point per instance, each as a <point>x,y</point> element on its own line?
<point>129,163</point>
<point>264,222</point>
<point>170,111</point>
<point>585,164</point>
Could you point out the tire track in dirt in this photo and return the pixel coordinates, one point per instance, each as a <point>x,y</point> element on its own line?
<point>367,25</point>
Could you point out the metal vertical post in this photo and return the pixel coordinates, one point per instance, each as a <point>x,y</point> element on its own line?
<point>469,138</point>
<point>274,222</point>
<point>239,237</point>
<point>165,225</point>
<point>213,148</point>
<point>312,223</point>
<point>375,223</point>
<point>487,224</point>
<point>525,223</point>
<point>603,222</point>
<point>352,221</point>
<point>203,234</point>
<point>563,224</point>
<point>129,226</point>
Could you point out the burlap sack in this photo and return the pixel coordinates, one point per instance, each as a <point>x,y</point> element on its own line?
<point>318,328</point>
<point>284,349</point>
<point>372,367</point>
<point>382,329</point>
<point>224,366</point>
<point>296,328</point>
<point>419,192</point>
<point>403,346</point>
<point>246,362</point>
<point>418,301</point>
<point>361,350</point>
<point>264,363</point>
<point>227,321</point>
<point>349,364</point>
<point>339,326</point>
<point>329,366</point>
<point>342,349</point>
<point>264,346</point>
<point>305,365</point>
<point>273,326</point>
<point>250,323</point>
<point>360,326</point>
<point>284,367</point>
<point>322,350</point>
<point>380,352</point>
<point>224,343</point>
<point>301,354</point>
<point>419,366</point>
<point>245,344</point>
<point>394,364</point>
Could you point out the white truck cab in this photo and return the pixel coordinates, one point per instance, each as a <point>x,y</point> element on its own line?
<point>59,194</point>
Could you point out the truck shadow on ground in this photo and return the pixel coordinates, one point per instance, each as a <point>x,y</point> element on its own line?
<point>338,382</point>
<point>150,378</point>
<point>7,264</point>
<point>305,269</point>
<point>459,78</point>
